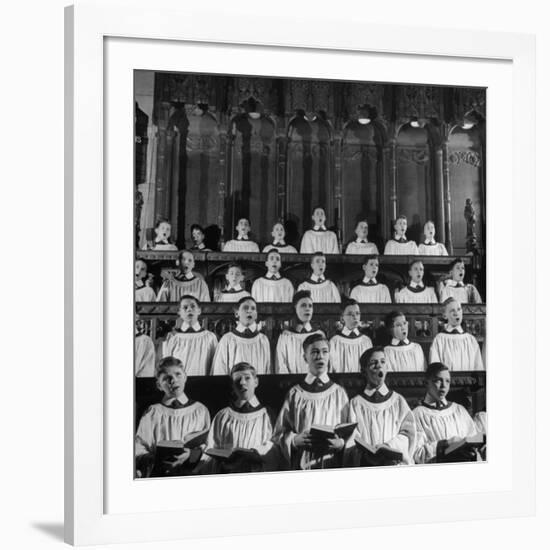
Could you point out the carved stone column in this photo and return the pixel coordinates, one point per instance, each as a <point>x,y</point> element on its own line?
<point>447,192</point>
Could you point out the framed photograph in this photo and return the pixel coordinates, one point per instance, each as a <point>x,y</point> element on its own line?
<point>292,285</point>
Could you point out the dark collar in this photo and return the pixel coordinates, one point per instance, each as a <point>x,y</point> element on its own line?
<point>372,399</point>
<point>249,409</point>
<point>246,334</point>
<point>434,407</point>
<point>416,289</point>
<point>315,388</point>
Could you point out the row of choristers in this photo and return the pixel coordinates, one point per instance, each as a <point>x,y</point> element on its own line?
<point>273,287</point>
<point>202,354</point>
<point>317,427</point>
<point>316,239</point>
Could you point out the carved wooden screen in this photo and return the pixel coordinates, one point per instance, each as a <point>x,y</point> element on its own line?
<point>465,175</point>
<point>414,179</point>
<point>253,183</point>
<point>361,181</point>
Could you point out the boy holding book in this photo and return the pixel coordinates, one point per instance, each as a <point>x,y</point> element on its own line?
<point>239,439</point>
<point>169,424</point>
<point>316,401</point>
<point>385,432</point>
<point>441,423</point>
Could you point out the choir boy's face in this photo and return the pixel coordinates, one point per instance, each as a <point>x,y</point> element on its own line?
<point>458,271</point>
<point>351,316</point>
<point>371,269</point>
<point>416,272</point>
<point>438,386</point>
<point>243,227</point>
<point>234,276</point>
<point>453,313</point>
<point>141,270</point>
<point>278,232</point>
<point>376,369</point>
<point>400,328</point>
<point>163,231</point>
<point>197,235</point>
<point>189,311</point>
<point>171,381</point>
<point>273,262</point>
<point>304,310</point>
<point>245,383</point>
<point>400,227</point>
<point>429,231</point>
<point>319,217</point>
<point>362,230</point>
<point>247,313</point>
<point>318,265</point>
<point>316,357</point>
<point>187,262</point>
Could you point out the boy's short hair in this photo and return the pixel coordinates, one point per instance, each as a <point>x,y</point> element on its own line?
<point>412,262</point>
<point>391,317</point>
<point>241,367</point>
<point>318,207</point>
<point>197,226</point>
<point>299,295</point>
<point>347,302</point>
<point>370,257</point>
<point>429,221</point>
<point>312,338</point>
<point>434,369</point>
<point>455,262</point>
<point>182,252</point>
<point>238,266</point>
<point>190,297</point>
<point>244,299</point>
<point>317,254</point>
<point>360,221</point>
<point>366,355</point>
<point>401,217</point>
<point>448,301</point>
<point>162,220</point>
<point>243,218</point>
<point>168,362</point>
<point>270,251</point>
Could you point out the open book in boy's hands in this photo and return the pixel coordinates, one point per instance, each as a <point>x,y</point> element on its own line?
<point>462,450</point>
<point>378,456</point>
<point>344,431</point>
<point>195,439</point>
<point>235,453</point>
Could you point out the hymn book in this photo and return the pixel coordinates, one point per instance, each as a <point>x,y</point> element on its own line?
<point>344,431</point>
<point>381,456</point>
<point>235,453</point>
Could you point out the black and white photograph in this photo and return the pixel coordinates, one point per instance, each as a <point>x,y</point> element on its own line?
<point>310,274</point>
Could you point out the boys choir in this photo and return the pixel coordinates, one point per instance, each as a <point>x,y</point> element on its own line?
<point>318,426</point>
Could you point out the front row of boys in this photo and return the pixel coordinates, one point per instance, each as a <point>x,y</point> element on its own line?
<point>273,287</point>
<point>380,418</point>
<point>202,354</point>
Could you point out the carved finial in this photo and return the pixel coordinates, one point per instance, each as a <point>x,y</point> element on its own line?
<point>470,217</point>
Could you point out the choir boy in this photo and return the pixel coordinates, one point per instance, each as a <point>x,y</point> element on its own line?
<point>317,400</point>
<point>347,345</point>
<point>245,424</point>
<point>184,282</point>
<point>439,422</point>
<point>384,419</point>
<point>399,244</point>
<point>319,238</point>
<point>322,290</point>
<point>162,241</point>
<point>242,243</point>
<point>454,286</point>
<point>279,234</point>
<point>430,247</point>
<point>416,292</point>
<point>197,235</point>
<point>191,343</point>
<point>369,290</point>
<point>174,418</point>
<point>144,292</point>
<point>245,343</point>
<point>234,289</point>
<point>402,355</point>
<point>272,287</point>
<point>453,346</point>
<point>361,245</point>
<point>289,357</point>
<point>144,359</point>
